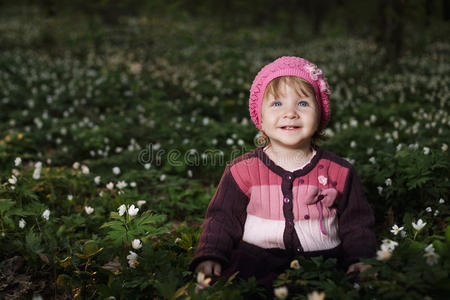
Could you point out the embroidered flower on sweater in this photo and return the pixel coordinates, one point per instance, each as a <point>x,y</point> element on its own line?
<point>322,180</point>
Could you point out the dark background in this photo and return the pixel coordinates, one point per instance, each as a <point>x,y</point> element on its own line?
<point>398,26</point>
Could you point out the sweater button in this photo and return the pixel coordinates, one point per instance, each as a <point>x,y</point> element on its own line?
<point>302,181</point>
<point>320,166</point>
<point>288,177</point>
<point>298,249</point>
<point>306,217</point>
<point>286,200</point>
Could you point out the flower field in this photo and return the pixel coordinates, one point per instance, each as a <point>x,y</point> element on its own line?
<point>113,142</point>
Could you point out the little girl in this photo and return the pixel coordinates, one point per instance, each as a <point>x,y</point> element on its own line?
<point>288,197</point>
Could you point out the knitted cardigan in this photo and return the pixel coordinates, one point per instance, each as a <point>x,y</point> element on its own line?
<point>319,209</point>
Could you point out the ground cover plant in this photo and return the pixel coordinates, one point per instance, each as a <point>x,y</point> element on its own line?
<point>109,156</point>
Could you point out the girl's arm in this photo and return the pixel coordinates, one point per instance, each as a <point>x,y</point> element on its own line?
<point>356,222</point>
<point>224,222</point>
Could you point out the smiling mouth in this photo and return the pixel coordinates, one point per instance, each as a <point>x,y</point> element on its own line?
<point>290,127</point>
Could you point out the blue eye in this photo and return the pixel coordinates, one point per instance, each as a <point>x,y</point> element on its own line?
<point>303,102</point>
<point>275,103</point>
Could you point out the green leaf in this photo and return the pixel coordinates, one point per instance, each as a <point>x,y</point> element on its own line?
<point>5,204</point>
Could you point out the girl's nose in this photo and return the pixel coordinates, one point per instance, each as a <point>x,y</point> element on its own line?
<point>290,112</point>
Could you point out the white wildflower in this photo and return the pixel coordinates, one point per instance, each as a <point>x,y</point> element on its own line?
<point>89,210</point>
<point>441,201</point>
<point>426,150</point>
<point>147,166</point>
<point>17,161</point>
<point>133,184</point>
<point>388,245</point>
<point>429,248</point>
<point>189,173</point>
<point>12,180</point>
<point>229,141</point>
<point>432,258</point>
<point>295,265</point>
<point>136,244</point>
<point>281,292</point>
<point>419,225</point>
<point>372,160</point>
<point>316,296</point>
<point>122,209</point>
<point>436,212</point>
<point>383,254</point>
<point>110,186</point>
<point>116,170</point>
<point>76,165</point>
<point>22,223</point>
<point>121,184</point>
<point>132,210</point>
<point>84,169</point>
<point>97,180</point>
<point>37,174</point>
<point>395,229</point>
<point>380,190</point>
<point>388,182</point>
<point>132,259</point>
<point>428,209</point>
<point>140,203</point>
<point>46,214</point>
<point>444,147</point>
<point>163,177</point>
<point>70,197</point>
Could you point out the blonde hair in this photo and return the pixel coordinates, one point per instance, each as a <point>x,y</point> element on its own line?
<point>303,89</point>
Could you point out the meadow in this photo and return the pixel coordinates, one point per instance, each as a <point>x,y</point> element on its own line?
<point>113,140</point>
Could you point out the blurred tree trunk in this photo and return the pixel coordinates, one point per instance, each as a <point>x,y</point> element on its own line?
<point>446,10</point>
<point>428,10</point>
<point>292,17</point>
<point>319,10</point>
<point>390,28</point>
<point>49,8</point>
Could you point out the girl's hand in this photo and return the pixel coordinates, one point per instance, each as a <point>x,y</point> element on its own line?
<point>209,268</point>
<point>361,267</point>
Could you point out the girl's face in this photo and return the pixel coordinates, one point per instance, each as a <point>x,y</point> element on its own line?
<point>290,120</point>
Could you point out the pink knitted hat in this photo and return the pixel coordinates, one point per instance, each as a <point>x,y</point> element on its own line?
<point>290,66</point>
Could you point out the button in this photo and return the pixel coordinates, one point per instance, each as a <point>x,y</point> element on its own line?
<point>298,249</point>
<point>302,181</point>
<point>286,200</point>
<point>288,177</point>
<point>320,167</point>
<point>321,197</point>
<point>306,217</point>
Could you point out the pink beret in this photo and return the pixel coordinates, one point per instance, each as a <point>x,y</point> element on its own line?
<point>290,66</point>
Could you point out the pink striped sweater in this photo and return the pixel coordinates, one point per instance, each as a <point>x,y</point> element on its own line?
<point>319,209</point>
